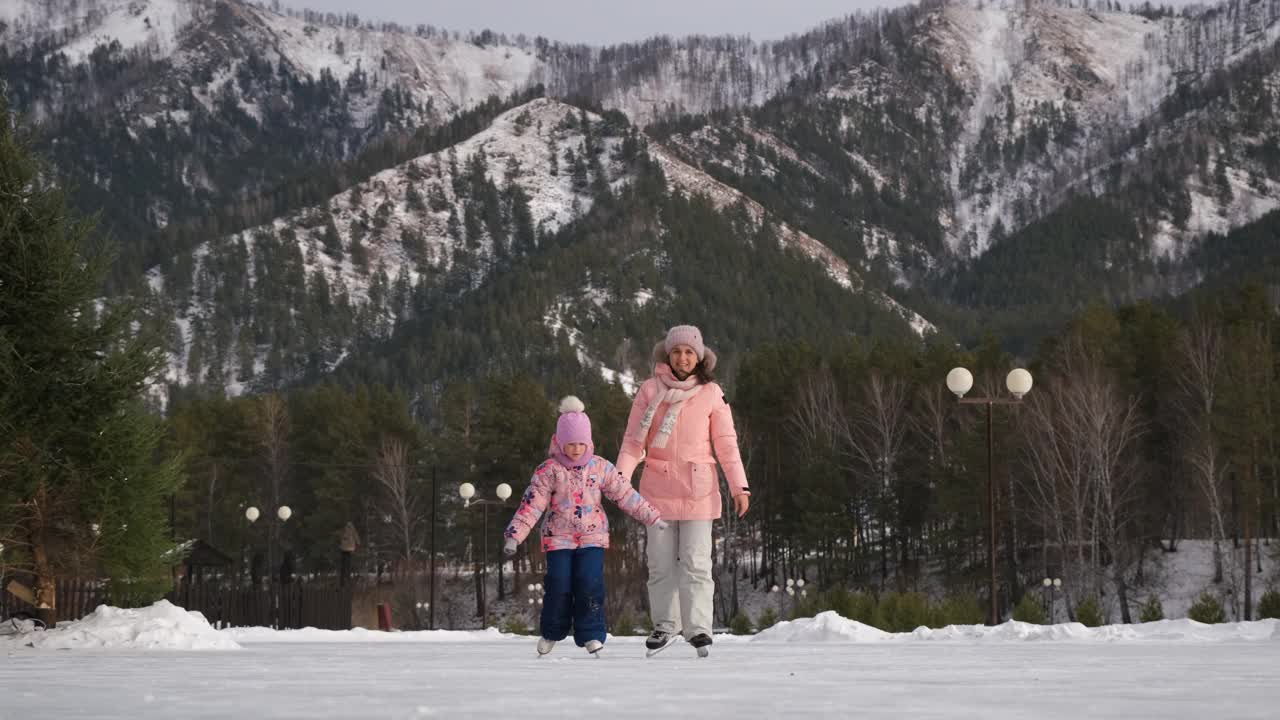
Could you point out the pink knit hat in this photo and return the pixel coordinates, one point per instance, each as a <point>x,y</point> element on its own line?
<point>573,427</point>
<point>684,335</point>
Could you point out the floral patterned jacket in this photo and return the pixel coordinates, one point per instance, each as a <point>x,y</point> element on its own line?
<point>570,498</point>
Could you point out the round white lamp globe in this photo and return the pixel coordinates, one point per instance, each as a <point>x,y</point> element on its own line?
<point>1018,382</point>
<point>959,381</point>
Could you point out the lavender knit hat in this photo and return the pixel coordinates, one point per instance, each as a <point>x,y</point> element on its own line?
<point>573,426</point>
<point>685,335</point>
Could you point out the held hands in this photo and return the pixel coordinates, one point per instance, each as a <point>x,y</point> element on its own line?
<point>509,547</point>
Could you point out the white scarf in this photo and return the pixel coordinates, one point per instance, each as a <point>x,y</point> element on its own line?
<point>675,392</point>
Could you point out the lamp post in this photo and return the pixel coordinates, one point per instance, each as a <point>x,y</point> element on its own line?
<point>794,587</point>
<point>1051,587</point>
<point>284,512</point>
<point>468,492</point>
<point>960,382</point>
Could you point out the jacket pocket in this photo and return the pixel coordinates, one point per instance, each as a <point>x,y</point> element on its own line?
<point>702,479</point>
<point>656,481</point>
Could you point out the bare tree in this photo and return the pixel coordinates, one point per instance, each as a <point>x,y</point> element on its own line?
<point>1200,348</point>
<point>877,433</point>
<point>274,428</point>
<point>818,423</point>
<point>1082,450</point>
<point>400,499</point>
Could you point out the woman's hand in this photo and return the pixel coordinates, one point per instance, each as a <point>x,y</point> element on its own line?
<point>741,503</point>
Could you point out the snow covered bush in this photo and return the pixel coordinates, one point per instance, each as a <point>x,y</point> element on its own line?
<point>740,624</point>
<point>902,612</point>
<point>1089,612</point>
<point>958,610</point>
<point>1151,610</point>
<point>1029,611</point>
<point>1207,609</point>
<point>515,625</point>
<point>768,618</point>
<point>624,626</point>
<point>1269,606</point>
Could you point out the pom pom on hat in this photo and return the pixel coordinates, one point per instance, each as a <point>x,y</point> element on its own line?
<point>571,403</point>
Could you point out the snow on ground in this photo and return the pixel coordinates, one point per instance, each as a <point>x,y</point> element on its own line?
<point>829,627</point>
<point>162,626</point>
<point>312,635</point>
<point>474,675</point>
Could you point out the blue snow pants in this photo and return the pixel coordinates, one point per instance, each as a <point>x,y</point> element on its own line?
<point>574,588</point>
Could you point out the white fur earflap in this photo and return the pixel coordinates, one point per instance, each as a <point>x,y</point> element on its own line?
<point>571,403</point>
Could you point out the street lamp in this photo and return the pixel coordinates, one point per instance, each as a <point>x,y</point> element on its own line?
<point>284,512</point>
<point>468,493</point>
<point>1051,587</point>
<point>794,586</point>
<point>1018,382</point>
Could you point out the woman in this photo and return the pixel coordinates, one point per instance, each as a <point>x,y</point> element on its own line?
<point>679,417</point>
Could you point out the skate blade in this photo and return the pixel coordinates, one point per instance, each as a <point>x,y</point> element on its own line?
<point>650,653</point>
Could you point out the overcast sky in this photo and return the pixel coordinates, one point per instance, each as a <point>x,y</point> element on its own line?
<point>601,22</point>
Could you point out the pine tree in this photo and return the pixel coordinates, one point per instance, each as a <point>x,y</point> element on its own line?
<point>79,480</point>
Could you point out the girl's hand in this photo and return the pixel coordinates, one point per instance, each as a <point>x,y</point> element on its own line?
<point>741,504</point>
<point>509,547</point>
<point>662,525</point>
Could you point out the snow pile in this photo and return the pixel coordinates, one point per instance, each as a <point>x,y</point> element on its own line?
<point>828,626</point>
<point>252,635</point>
<point>163,626</point>
<point>1162,630</point>
<point>831,627</point>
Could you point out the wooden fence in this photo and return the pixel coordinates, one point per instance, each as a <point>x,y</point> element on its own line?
<point>75,598</point>
<point>224,604</point>
<point>292,605</point>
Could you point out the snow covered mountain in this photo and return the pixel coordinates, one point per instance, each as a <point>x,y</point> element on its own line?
<point>444,219</point>
<point>293,184</point>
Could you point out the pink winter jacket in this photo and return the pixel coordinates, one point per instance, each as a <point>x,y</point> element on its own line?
<point>570,497</point>
<point>680,479</point>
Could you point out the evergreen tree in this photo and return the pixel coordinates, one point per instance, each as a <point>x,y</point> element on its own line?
<point>78,472</point>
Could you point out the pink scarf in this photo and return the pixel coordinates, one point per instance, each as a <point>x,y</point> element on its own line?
<point>675,392</point>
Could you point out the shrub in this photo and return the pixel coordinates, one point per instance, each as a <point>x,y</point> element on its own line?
<point>958,610</point>
<point>861,607</point>
<point>1269,606</point>
<point>768,619</point>
<point>1207,609</point>
<point>625,625</point>
<point>515,625</point>
<point>903,612</point>
<point>1151,610</point>
<point>1089,612</point>
<point>1029,611</point>
<point>740,624</point>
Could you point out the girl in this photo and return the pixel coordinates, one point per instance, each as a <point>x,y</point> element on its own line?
<point>679,417</point>
<point>575,533</point>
